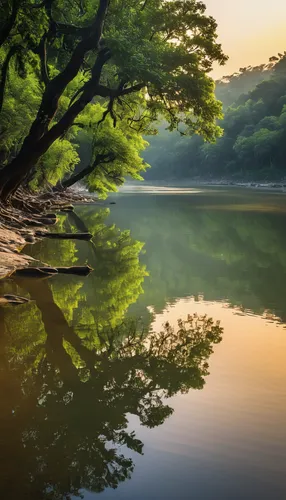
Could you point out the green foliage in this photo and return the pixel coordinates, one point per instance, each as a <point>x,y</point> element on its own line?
<point>233,87</point>
<point>161,54</point>
<point>170,46</point>
<point>60,160</point>
<point>125,145</point>
<point>253,145</point>
<point>19,109</point>
<point>233,249</point>
<point>73,367</point>
<point>117,279</point>
<point>70,430</point>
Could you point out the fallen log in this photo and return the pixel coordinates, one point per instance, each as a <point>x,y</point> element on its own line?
<point>41,272</point>
<point>35,272</point>
<point>13,299</point>
<point>79,270</point>
<point>65,236</point>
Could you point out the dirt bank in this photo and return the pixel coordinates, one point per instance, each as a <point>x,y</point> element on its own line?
<point>26,225</point>
<point>11,243</point>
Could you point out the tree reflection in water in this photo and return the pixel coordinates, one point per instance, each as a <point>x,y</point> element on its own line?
<point>64,403</point>
<point>72,368</point>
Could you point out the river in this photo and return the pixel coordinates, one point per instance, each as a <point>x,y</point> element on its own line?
<point>162,375</point>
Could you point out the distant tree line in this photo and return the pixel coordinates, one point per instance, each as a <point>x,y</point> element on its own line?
<point>253,144</point>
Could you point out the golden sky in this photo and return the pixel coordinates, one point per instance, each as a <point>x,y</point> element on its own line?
<point>250,30</point>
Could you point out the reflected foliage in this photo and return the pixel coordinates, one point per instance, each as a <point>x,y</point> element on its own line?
<point>64,403</point>
<point>226,245</point>
<point>118,275</point>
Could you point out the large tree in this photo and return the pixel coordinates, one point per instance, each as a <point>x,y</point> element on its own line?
<point>163,50</point>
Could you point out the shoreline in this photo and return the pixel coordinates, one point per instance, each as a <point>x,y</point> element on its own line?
<point>11,245</point>
<point>13,240</point>
<point>278,186</point>
<point>190,183</point>
<point>28,228</point>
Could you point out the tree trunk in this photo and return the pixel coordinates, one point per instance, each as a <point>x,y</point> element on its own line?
<point>40,138</point>
<point>57,330</point>
<point>7,27</point>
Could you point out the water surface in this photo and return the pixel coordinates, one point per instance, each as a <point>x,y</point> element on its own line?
<point>104,394</point>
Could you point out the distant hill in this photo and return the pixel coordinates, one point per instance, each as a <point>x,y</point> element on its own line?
<point>253,144</point>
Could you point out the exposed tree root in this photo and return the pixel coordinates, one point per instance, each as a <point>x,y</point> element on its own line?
<point>27,218</point>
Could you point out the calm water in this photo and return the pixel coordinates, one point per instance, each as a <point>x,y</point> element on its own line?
<point>104,394</point>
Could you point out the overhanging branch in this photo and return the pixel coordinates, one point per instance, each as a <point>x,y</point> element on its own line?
<point>99,160</point>
<point>8,25</point>
<point>103,91</point>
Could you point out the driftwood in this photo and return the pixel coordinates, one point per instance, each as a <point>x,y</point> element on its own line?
<point>35,272</point>
<point>79,270</point>
<point>41,272</point>
<point>65,236</point>
<point>13,299</point>
<point>24,220</point>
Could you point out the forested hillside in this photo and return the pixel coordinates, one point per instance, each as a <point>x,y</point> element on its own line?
<point>252,146</point>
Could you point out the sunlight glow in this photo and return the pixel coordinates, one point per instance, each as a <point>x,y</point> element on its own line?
<point>250,31</point>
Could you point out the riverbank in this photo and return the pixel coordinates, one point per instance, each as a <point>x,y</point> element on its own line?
<point>193,183</point>
<point>11,244</point>
<point>29,223</point>
<point>278,186</point>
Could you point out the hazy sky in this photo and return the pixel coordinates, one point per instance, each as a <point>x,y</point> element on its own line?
<point>250,30</point>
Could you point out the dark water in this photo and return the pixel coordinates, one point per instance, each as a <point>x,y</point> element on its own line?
<point>104,394</point>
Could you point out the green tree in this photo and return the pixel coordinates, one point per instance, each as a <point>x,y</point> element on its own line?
<point>252,146</point>
<point>163,50</point>
<point>114,152</point>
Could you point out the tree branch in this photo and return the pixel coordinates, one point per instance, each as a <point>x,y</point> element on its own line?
<point>103,91</point>
<point>71,29</point>
<point>81,8</point>
<point>5,31</point>
<point>57,85</point>
<point>100,159</point>
<point>4,72</point>
<point>88,92</point>
<point>144,5</point>
<point>108,111</point>
<point>43,58</point>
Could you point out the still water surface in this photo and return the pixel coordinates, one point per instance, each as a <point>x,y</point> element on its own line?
<point>100,397</point>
